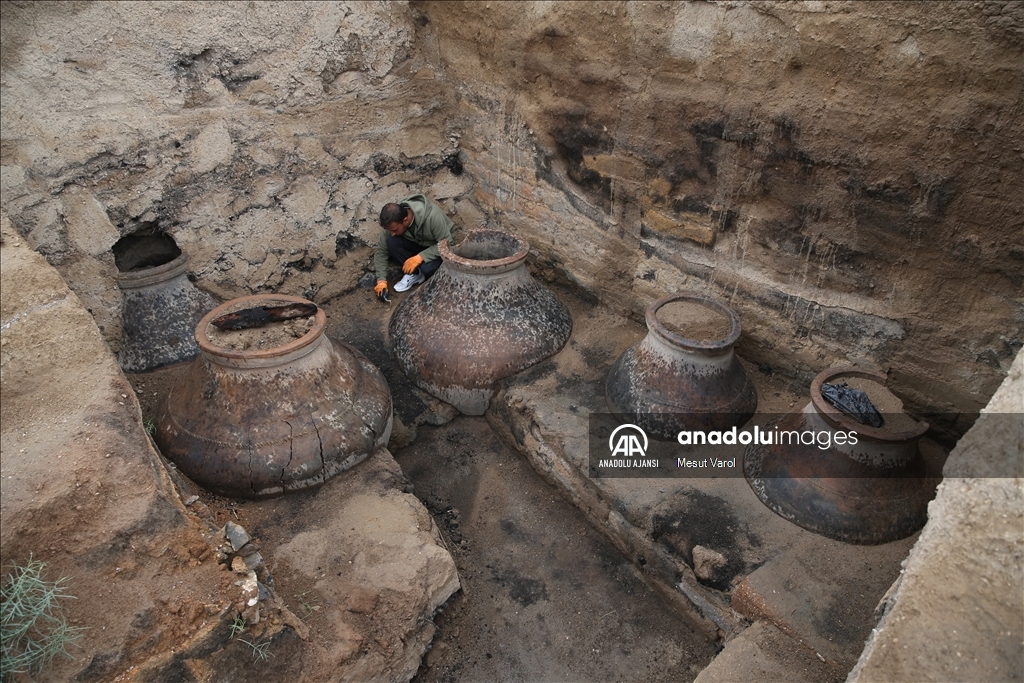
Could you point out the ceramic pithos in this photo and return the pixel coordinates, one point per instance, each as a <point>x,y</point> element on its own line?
<point>159,311</point>
<point>669,381</point>
<point>260,422</point>
<point>480,318</point>
<point>873,491</point>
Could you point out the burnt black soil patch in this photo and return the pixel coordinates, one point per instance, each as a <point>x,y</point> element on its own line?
<point>367,335</point>
<point>697,518</point>
<point>544,595</point>
<point>522,589</point>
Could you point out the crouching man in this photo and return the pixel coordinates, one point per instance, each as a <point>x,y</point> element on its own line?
<point>412,230</point>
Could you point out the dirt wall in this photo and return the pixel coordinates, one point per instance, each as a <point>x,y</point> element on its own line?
<point>843,173</point>
<point>846,175</point>
<point>255,134</point>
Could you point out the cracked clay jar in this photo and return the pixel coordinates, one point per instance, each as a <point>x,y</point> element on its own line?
<point>259,422</point>
<point>873,491</point>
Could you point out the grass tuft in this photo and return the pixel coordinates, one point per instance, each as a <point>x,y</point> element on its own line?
<point>260,651</point>
<point>34,628</point>
<point>238,625</point>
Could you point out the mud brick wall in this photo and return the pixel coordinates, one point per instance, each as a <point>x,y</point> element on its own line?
<point>846,175</point>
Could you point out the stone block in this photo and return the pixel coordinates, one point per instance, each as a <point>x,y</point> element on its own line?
<point>687,226</point>
<point>764,653</point>
<point>623,167</point>
<point>956,614</point>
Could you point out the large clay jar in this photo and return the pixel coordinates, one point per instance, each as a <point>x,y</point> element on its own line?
<point>874,491</point>
<point>159,311</point>
<point>686,377</point>
<point>260,422</point>
<point>480,318</point>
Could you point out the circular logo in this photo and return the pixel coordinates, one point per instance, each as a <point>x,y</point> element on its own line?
<point>627,444</point>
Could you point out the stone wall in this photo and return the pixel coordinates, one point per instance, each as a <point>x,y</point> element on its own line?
<point>844,174</point>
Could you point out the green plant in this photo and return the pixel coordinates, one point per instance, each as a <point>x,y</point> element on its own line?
<point>238,625</point>
<point>34,628</point>
<point>260,651</point>
<point>150,426</point>
<point>308,605</point>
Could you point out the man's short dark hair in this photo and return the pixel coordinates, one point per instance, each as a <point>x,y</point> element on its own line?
<point>392,213</point>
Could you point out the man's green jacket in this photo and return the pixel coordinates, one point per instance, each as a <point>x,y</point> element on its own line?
<point>430,225</point>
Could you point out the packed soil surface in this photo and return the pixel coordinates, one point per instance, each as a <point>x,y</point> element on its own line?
<point>694,321</point>
<point>545,596</point>
<point>267,336</point>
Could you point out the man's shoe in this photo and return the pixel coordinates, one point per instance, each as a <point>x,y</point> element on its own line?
<point>408,282</point>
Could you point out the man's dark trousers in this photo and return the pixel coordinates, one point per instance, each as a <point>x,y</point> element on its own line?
<point>402,249</point>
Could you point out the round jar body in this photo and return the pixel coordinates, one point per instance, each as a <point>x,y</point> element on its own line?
<point>667,382</point>
<point>159,311</point>
<point>480,318</point>
<point>869,488</point>
<point>255,424</point>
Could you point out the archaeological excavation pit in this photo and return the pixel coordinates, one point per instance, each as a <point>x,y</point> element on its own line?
<point>828,189</point>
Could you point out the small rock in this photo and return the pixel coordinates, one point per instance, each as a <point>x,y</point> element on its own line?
<point>251,614</point>
<point>248,549</point>
<point>250,589</point>
<point>236,535</point>
<point>706,562</point>
<point>252,561</point>
<point>238,565</point>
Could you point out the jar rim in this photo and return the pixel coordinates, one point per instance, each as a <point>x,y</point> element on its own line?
<point>498,265</point>
<point>208,347</point>
<point>713,345</point>
<point>144,277</point>
<point>839,420</point>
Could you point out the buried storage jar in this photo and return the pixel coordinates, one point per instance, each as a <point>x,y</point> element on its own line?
<point>258,422</point>
<point>480,318</point>
<point>683,375</point>
<point>159,310</point>
<point>870,488</point>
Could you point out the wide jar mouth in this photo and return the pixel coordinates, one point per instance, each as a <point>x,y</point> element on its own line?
<point>145,277</point>
<point>258,357</point>
<point>485,251</point>
<point>840,420</point>
<point>701,324</point>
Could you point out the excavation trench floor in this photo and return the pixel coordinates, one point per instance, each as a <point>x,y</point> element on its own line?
<point>545,596</point>
<point>563,576</point>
